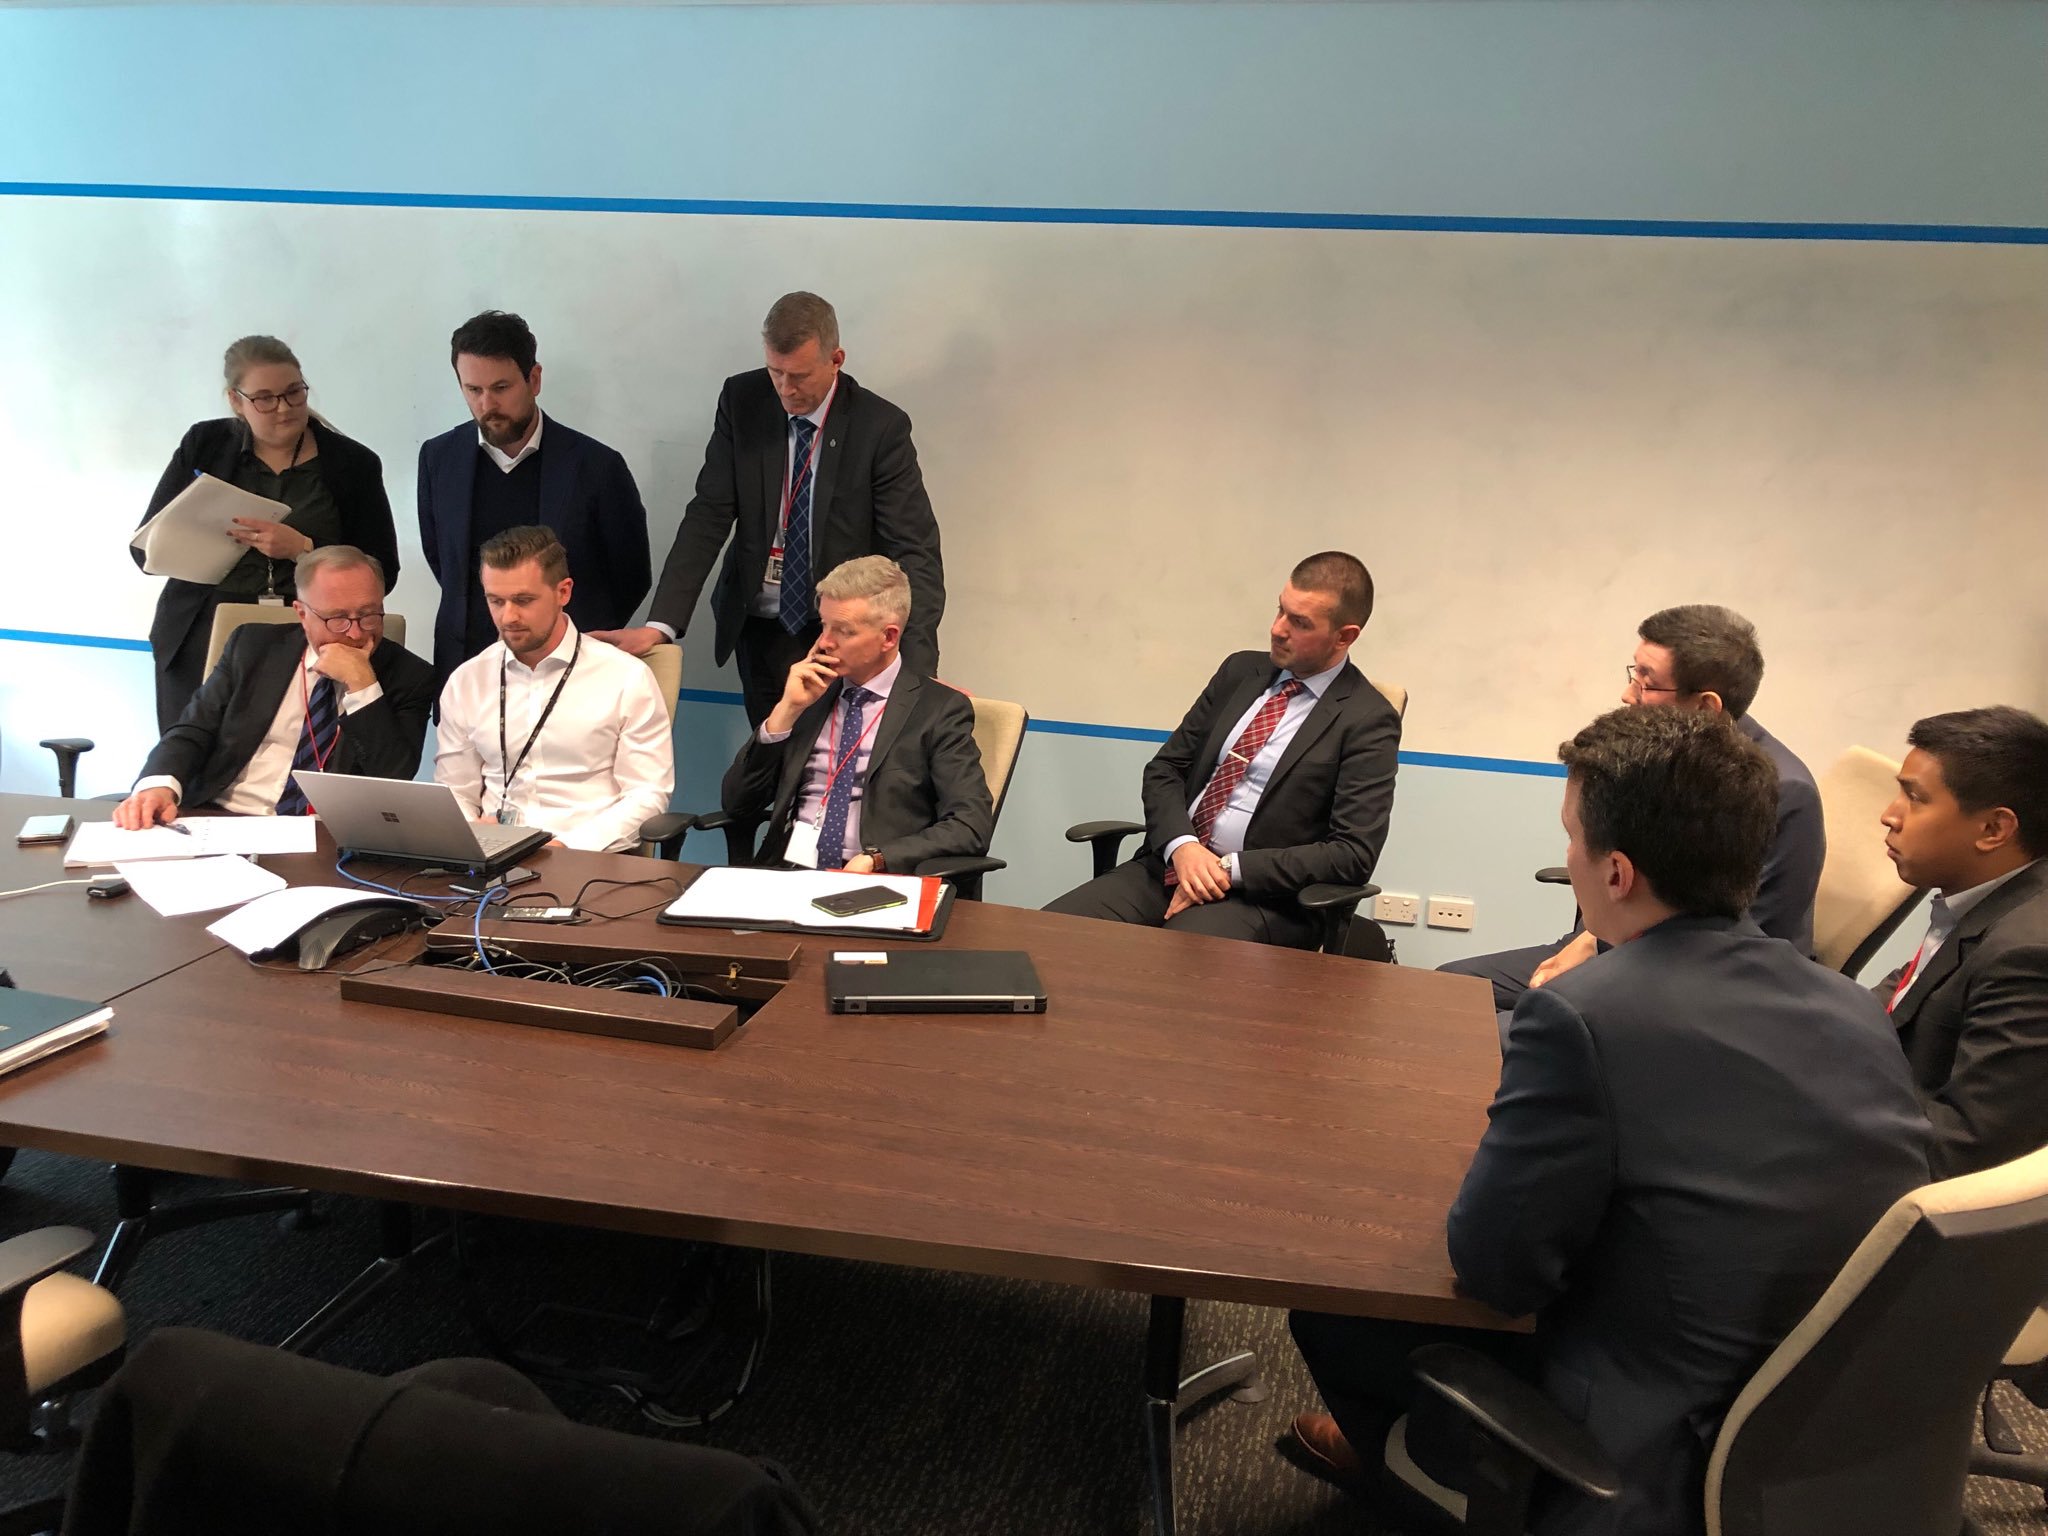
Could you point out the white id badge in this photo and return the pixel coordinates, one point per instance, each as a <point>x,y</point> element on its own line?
<point>802,848</point>
<point>773,578</point>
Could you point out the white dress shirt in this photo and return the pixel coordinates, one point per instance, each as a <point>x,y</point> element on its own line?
<point>604,763</point>
<point>1228,838</point>
<point>1945,911</point>
<point>810,807</point>
<point>256,788</point>
<point>510,462</point>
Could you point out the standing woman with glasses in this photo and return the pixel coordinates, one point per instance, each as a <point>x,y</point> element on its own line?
<point>276,447</point>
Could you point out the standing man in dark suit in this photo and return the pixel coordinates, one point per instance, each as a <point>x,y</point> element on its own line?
<point>1280,777</point>
<point>862,764</point>
<point>516,468</point>
<point>805,470</point>
<point>328,693</point>
<point>1699,657</point>
<point>1692,1133</point>
<point>1971,1007</point>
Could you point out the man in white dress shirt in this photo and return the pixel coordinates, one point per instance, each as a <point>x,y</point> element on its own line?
<point>544,728</point>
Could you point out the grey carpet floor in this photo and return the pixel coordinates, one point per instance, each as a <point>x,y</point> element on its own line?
<point>904,1401</point>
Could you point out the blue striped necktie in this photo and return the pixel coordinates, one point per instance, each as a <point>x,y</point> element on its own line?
<point>316,744</point>
<point>795,611</point>
<point>839,798</point>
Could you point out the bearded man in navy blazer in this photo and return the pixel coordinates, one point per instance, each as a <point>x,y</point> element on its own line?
<point>805,470</point>
<point>1693,1131</point>
<point>1280,777</point>
<point>515,468</point>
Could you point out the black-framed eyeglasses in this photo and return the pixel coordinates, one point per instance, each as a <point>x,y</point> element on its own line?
<point>1636,680</point>
<point>338,623</point>
<point>266,402</point>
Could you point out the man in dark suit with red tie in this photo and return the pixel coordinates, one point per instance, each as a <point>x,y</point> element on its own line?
<point>805,470</point>
<point>1970,822</point>
<point>329,693</point>
<point>1280,777</point>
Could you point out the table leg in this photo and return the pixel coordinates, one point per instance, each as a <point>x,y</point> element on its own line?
<point>395,1250</point>
<point>1163,1336</point>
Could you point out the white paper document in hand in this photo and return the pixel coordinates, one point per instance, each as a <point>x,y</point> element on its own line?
<point>101,842</point>
<point>189,539</point>
<point>174,887</point>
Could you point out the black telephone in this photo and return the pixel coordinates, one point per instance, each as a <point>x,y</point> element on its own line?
<point>334,934</point>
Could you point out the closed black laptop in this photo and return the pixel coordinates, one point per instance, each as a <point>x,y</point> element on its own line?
<point>935,981</point>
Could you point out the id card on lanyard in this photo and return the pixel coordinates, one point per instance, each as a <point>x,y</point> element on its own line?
<point>773,576</point>
<point>802,847</point>
<point>509,765</point>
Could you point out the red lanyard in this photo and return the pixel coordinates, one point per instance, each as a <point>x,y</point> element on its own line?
<point>306,724</point>
<point>790,483</point>
<point>851,752</point>
<point>1906,980</point>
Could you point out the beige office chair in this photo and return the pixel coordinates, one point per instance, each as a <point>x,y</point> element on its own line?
<point>666,663</point>
<point>1860,1421</point>
<point>1861,901</point>
<point>229,617</point>
<point>1335,906</point>
<point>58,1333</point>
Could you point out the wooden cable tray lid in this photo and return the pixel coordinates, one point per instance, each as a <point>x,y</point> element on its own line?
<point>549,1004</point>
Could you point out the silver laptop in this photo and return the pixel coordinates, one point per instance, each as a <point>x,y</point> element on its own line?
<point>419,823</point>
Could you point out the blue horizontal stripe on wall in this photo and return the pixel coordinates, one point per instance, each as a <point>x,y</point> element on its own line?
<point>1042,727</point>
<point>1189,218</point>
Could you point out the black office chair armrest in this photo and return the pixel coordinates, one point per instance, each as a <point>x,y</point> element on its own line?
<point>955,865</point>
<point>1323,897</point>
<point>1106,839</point>
<point>1514,1414</point>
<point>1555,874</point>
<point>68,750</point>
<point>739,833</point>
<point>667,831</point>
<point>36,1256</point>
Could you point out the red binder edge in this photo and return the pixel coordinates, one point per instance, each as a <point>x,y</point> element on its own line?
<point>928,902</point>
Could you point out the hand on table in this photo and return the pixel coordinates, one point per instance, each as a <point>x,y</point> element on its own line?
<point>146,808</point>
<point>861,864</point>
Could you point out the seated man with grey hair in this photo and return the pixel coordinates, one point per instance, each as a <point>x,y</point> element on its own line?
<point>862,764</point>
<point>329,693</point>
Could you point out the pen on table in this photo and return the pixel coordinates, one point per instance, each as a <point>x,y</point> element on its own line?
<point>176,826</point>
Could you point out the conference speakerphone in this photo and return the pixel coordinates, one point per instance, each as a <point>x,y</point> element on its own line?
<point>933,981</point>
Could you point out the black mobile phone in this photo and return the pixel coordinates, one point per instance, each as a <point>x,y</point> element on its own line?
<point>44,829</point>
<point>869,898</point>
<point>518,874</point>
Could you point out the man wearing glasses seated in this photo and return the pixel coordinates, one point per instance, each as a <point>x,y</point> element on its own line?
<point>330,694</point>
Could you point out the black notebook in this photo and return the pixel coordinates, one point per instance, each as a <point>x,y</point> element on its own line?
<point>33,1024</point>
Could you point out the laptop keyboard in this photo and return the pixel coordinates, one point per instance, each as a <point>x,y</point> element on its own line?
<point>496,838</point>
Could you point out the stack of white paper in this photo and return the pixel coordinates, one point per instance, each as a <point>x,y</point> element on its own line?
<point>189,539</point>
<point>101,842</point>
<point>750,898</point>
<point>269,920</point>
<point>175,887</point>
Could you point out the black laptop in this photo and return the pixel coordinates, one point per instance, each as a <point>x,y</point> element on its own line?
<point>933,981</point>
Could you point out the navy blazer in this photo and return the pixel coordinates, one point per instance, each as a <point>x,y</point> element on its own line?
<point>587,496</point>
<point>1974,1027</point>
<point>232,711</point>
<point>1692,1133</point>
<point>1784,900</point>
<point>868,499</point>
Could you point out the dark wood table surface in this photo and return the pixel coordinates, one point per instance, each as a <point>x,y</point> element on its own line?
<point>1193,1117</point>
<point>64,943</point>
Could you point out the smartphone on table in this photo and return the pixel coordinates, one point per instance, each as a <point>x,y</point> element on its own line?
<point>868,898</point>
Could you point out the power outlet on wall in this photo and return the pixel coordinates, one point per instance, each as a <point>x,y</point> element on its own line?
<point>1389,907</point>
<point>1450,912</point>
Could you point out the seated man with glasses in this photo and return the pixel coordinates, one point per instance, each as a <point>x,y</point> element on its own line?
<point>329,694</point>
<point>1699,657</point>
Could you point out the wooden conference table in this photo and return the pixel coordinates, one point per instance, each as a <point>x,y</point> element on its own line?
<point>1193,1118</point>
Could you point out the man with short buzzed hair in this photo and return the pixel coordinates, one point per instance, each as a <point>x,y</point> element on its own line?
<point>805,470</point>
<point>1281,776</point>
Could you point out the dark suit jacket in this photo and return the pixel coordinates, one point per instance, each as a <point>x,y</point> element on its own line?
<point>1324,814</point>
<point>1784,900</point>
<point>354,478</point>
<point>587,496</point>
<point>924,796</point>
<point>1974,1025</point>
<point>868,499</point>
<point>228,717</point>
<point>1692,1132</point>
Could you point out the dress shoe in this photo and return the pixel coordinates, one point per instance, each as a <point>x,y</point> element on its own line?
<point>1317,1445</point>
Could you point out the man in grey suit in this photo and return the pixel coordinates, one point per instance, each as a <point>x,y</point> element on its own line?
<point>1281,776</point>
<point>1699,657</point>
<point>1971,822</point>
<point>1693,1131</point>
<point>862,764</point>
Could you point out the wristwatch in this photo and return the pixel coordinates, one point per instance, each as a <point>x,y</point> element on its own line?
<point>876,854</point>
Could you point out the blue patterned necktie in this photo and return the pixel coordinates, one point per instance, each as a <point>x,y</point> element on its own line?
<point>795,611</point>
<point>316,744</point>
<point>839,798</point>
